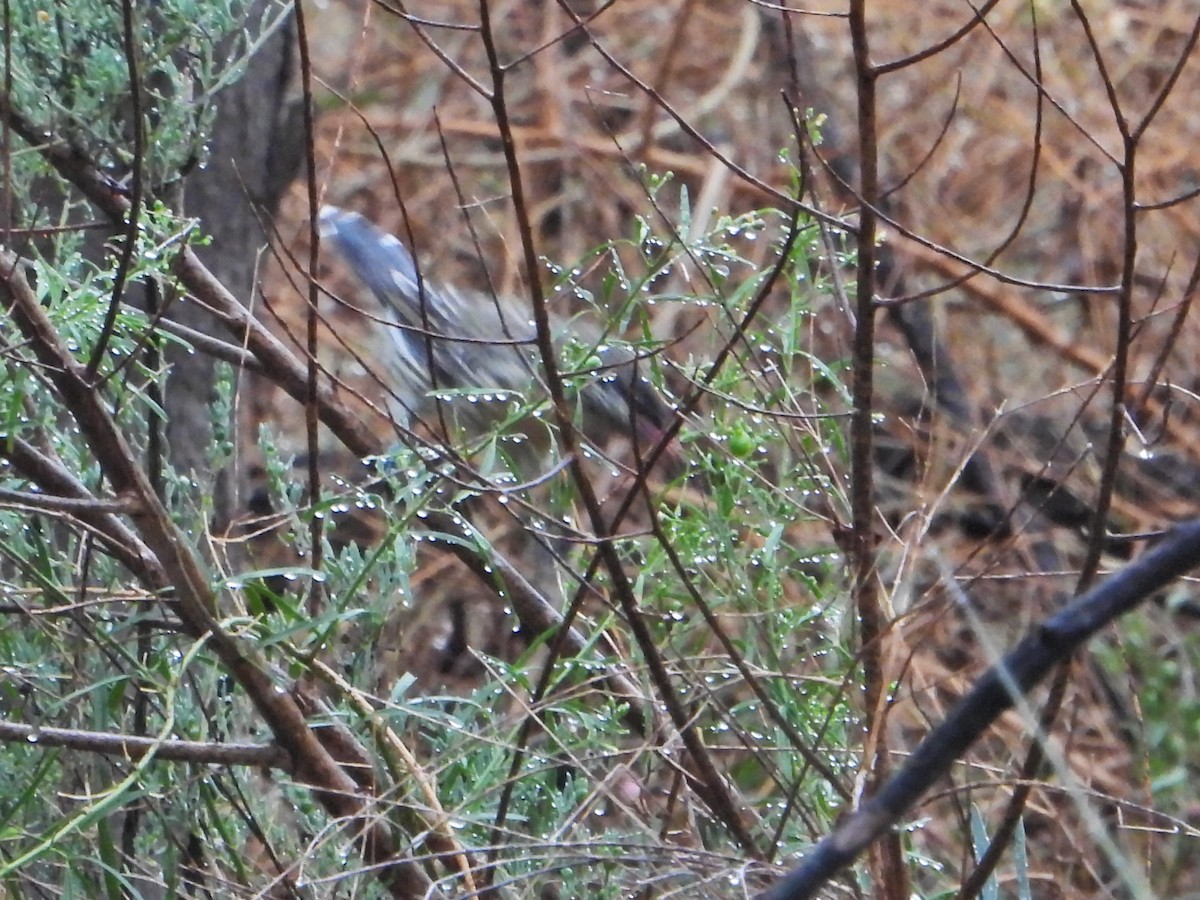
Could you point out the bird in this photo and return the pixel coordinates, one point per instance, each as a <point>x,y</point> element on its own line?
<point>449,345</point>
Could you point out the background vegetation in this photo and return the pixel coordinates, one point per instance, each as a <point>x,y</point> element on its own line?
<point>920,282</point>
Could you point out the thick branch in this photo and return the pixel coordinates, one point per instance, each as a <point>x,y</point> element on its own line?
<point>1043,649</point>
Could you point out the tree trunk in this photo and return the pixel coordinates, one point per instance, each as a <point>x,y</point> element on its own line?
<point>256,150</point>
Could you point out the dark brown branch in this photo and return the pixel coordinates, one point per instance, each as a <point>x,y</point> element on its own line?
<point>1041,651</point>
<point>214,347</point>
<point>58,482</point>
<point>130,44</point>
<point>37,502</point>
<point>862,540</point>
<point>205,753</point>
<point>173,569</point>
<point>717,790</point>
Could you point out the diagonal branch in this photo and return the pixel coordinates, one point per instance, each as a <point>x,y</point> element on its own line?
<point>173,570</point>
<point>1041,651</point>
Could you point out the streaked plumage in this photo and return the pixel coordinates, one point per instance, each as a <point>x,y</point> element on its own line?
<point>447,340</point>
